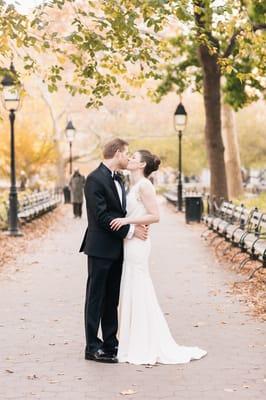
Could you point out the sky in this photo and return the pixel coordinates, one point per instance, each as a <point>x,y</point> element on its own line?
<point>24,6</point>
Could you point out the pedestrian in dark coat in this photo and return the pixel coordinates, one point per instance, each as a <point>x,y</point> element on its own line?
<point>76,184</point>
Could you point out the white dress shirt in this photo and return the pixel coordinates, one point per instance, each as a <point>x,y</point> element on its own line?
<point>119,191</point>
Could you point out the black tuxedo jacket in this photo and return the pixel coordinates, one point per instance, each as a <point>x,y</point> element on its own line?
<point>103,205</point>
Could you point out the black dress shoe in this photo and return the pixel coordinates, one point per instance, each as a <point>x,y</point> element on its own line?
<point>112,351</point>
<point>101,356</point>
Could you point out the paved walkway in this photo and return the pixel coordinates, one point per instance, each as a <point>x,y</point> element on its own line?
<point>41,324</point>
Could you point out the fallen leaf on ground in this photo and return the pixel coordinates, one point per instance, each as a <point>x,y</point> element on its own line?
<point>198,324</point>
<point>32,377</point>
<point>213,292</point>
<point>36,229</point>
<point>128,392</point>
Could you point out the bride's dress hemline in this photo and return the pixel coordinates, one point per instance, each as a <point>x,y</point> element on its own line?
<point>158,361</point>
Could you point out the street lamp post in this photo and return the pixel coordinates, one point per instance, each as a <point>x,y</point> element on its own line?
<point>70,134</point>
<point>11,100</point>
<point>180,121</point>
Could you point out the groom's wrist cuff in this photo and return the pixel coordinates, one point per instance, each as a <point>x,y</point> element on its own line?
<point>130,232</point>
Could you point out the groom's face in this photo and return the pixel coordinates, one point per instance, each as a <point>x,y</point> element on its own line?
<point>123,158</point>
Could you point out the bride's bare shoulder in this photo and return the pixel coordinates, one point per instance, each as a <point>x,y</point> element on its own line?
<point>146,185</point>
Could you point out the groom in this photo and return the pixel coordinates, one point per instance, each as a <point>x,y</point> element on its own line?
<point>105,200</point>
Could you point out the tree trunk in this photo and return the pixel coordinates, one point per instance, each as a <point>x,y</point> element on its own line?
<point>213,131</point>
<point>231,156</point>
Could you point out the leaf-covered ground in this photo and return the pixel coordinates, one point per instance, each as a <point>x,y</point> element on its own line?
<point>251,291</point>
<point>11,247</point>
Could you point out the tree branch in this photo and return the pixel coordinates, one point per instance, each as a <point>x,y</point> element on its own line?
<point>230,47</point>
<point>257,27</point>
<point>202,25</point>
<point>231,44</point>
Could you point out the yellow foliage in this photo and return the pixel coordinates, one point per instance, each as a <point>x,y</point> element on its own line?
<point>34,150</point>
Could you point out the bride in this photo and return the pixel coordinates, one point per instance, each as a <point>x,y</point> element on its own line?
<point>144,336</point>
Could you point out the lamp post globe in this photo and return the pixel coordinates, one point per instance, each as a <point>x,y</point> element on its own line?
<point>11,89</point>
<point>70,132</point>
<point>11,101</point>
<point>180,122</point>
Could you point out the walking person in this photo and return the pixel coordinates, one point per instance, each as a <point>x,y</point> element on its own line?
<point>76,185</point>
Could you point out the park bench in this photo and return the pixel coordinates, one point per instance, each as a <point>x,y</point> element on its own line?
<point>241,219</point>
<point>242,228</point>
<point>233,223</point>
<point>254,242</point>
<point>223,219</point>
<point>213,211</point>
<point>33,205</point>
<point>171,196</point>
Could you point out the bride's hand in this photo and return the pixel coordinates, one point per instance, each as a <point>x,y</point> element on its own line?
<point>117,223</point>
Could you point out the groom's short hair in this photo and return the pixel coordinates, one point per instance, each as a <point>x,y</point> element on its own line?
<point>111,147</point>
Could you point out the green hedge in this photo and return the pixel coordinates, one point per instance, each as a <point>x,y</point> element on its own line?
<point>258,201</point>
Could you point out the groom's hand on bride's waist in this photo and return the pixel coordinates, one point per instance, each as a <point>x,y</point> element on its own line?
<point>141,231</point>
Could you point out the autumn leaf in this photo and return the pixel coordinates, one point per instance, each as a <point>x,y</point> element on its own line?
<point>32,377</point>
<point>199,324</point>
<point>128,392</point>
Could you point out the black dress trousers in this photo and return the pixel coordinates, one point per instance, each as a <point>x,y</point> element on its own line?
<point>102,297</point>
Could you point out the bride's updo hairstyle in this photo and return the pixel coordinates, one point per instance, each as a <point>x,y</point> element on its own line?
<point>151,160</point>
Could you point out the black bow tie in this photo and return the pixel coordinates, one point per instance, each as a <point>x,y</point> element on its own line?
<point>116,177</point>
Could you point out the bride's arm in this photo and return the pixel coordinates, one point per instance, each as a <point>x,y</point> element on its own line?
<point>148,198</point>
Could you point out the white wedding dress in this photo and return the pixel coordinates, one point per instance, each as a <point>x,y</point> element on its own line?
<point>144,336</point>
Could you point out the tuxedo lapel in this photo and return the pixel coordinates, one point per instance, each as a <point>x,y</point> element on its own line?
<point>115,191</point>
<point>124,201</point>
<point>121,183</point>
<point>106,172</point>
